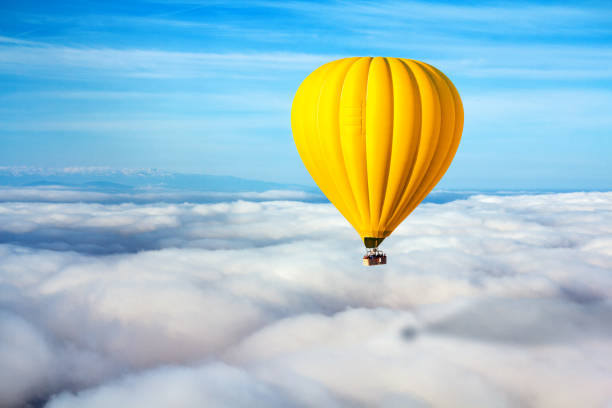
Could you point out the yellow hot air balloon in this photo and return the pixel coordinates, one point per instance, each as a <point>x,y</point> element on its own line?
<point>376,135</point>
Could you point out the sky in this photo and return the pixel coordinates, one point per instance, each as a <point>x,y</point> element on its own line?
<point>161,243</point>
<point>206,86</point>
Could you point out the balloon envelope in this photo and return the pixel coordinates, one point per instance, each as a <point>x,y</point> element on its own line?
<point>376,135</point>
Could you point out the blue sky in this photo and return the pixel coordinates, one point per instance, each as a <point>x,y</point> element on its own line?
<point>205,86</point>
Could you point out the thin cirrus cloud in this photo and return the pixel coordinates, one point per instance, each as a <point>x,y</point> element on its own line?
<point>488,61</point>
<point>58,194</point>
<point>531,17</point>
<point>503,299</point>
<point>145,124</point>
<point>53,61</point>
<point>243,101</point>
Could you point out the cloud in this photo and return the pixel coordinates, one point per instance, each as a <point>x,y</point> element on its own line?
<point>61,194</point>
<point>470,41</point>
<point>215,385</point>
<point>491,19</point>
<point>11,40</point>
<point>29,376</point>
<point>464,59</point>
<point>236,102</point>
<point>489,300</point>
<point>429,11</point>
<point>81,170</point>
<point>149,124</point>
<point>366,357</point>
<point>55,61</point>
<point>35,364</point>
<point>96,228</point>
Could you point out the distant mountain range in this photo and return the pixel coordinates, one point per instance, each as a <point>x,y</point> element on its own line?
<point>100,184</point>
<point>101,179</point>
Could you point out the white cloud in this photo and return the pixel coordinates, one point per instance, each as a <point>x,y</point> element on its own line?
<point>464,59</point>
<point>493,18</point>
<point>61,194</point>
<point>12,40</point>
<point>492,301</point>
<point>150,124</point>
<point>82,170</point>
<point>415,10</point>
<point>28,376</point>
<point>235,101</point>
<point>35,364</point>
<point>216,385</point>
<point>63,61</point>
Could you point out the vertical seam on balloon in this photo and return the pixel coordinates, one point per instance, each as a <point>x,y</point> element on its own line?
<point>389,155</point>
<point>402,203</point>
<point>456,130</point>
<point>420,103</point>
<point>362,218</point>
<point>314,163</point>
<point>406,171</point>
<point>364,135</point>
<point>456,135</point>
<point>439,120</point>
<point>454,143</point>
<point>365,140</point>
<point>349,202</point>
<point>410,202</point>
<point>441,170</point>
<point>318,133</point>
<point>458,107</point>
<point>442,116</point>
<point>364,115</point>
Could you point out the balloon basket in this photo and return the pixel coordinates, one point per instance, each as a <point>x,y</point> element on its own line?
<point>374,257</point>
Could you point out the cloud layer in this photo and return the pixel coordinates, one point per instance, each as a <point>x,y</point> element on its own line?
<point>488,301</point>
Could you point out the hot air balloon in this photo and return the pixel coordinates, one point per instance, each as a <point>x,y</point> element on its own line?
<point>376,135</point>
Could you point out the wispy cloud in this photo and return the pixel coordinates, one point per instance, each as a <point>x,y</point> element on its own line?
<point>96,170</point>
<point>61,194</point>
<point>147,125</point>
<point>230,101</point>
<point>53,61</point>
<point>18,41</point>
<point>482,61</point>
<point>521,19</point>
